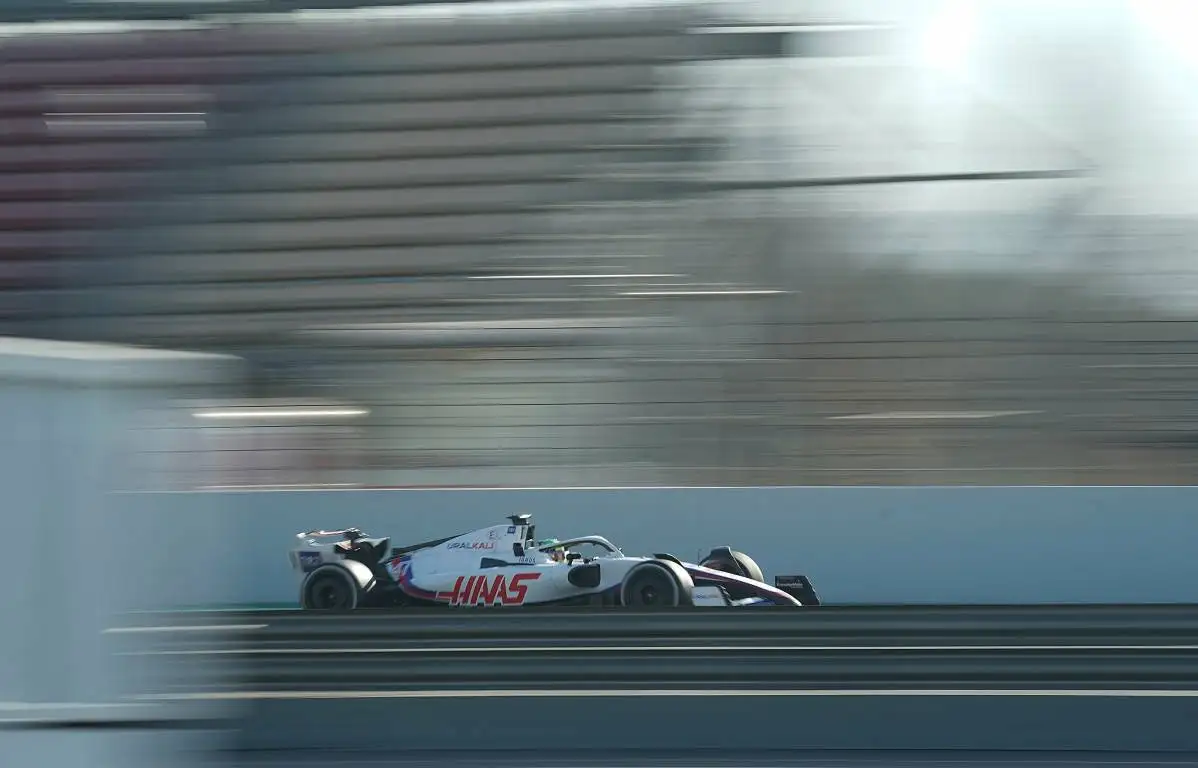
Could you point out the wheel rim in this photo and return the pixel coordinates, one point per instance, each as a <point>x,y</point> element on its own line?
<point>328,594</point>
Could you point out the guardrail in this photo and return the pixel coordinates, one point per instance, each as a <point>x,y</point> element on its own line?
<point>994,647</point>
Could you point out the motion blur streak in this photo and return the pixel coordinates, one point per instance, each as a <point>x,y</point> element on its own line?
<point>670,693</point>
<point>736,728</point>
<point>903,759</point>
<point>583,244</point>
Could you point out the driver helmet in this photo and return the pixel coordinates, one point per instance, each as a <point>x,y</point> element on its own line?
<point>558,554</point>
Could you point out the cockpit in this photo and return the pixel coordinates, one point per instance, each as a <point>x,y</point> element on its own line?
<point>580,548</point>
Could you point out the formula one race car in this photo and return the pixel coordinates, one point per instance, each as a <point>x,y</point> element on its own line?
<point>505,565</point>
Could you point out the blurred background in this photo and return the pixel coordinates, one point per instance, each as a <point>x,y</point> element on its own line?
<point>622,243</point>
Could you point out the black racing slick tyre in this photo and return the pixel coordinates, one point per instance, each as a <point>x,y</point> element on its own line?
<point>657,584</point>
<point>330,589</point>
<point>748,566</point>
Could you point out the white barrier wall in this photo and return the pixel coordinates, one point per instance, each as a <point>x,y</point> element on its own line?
<point>74,415</point>
<point>859,545</point>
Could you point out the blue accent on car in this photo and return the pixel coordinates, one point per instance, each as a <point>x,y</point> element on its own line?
<point>309,561</point>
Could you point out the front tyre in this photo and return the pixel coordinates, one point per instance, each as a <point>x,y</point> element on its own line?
<point>743,565</point>
<point>657,584</point>
<point>731,561</point>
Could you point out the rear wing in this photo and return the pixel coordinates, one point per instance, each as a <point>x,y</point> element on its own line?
<point>345,534</point>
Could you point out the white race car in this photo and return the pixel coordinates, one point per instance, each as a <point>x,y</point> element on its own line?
<point>506,565</point>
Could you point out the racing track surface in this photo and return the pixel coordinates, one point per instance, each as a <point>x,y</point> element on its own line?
<point>466,686</point>
<point>566,758</point>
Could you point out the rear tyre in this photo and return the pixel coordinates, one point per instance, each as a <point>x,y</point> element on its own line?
<point>331,590</point>
<point>656,584</point>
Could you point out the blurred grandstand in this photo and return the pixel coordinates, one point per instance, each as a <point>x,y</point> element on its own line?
<point>591,244</point>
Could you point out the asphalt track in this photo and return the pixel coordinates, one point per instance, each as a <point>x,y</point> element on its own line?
<point>973,686</point>
<point>729,726</point>
<point>585,652</point>
<point>745,760</point>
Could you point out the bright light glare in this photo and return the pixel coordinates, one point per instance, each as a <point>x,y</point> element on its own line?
<point>948,38</point>
<point>1171,23</point>
<point>281,413</point>
<point>704,293</point>
<point>605,276</point>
